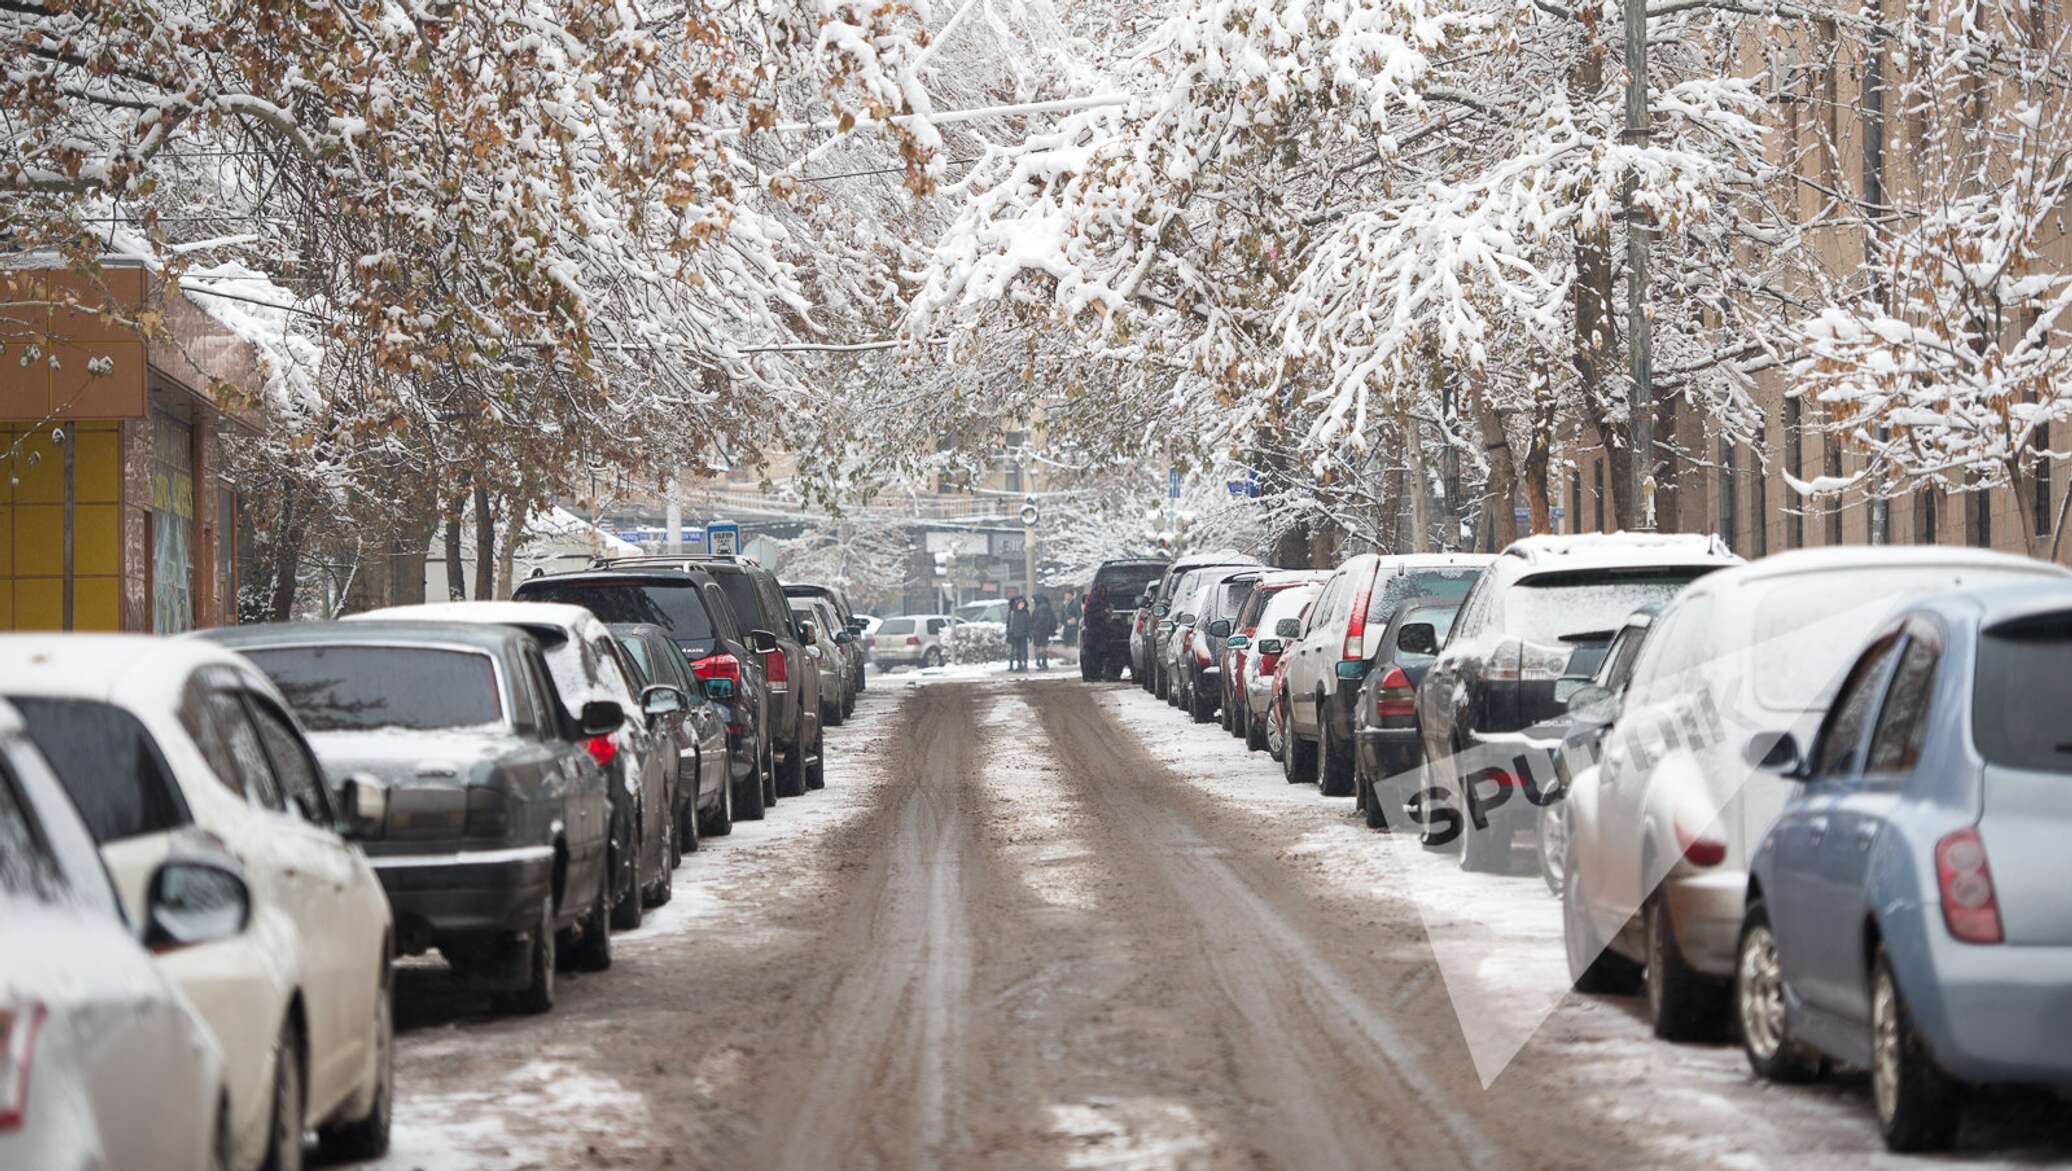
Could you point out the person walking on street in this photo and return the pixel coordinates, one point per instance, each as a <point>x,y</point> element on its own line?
<point>1018,635</point>
<point>1043,623</point>
<point>1071,613</point>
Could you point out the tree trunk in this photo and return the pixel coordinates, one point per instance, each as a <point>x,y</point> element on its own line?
<point>1417,483</point>
<point>456,573</point>
<point>485,544</point>
<point>408,550</point>
<point>1536,500</point>
<point>1503,468</point>
<point>1669,470</point>
<point>287,559</point>
<point>520,507</point>
<point>1597,330</point>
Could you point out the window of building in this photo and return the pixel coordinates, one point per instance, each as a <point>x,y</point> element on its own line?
<point>1729,518</point>
<point>172,525</point>
<point>1981,506</point>
<point>1831,465</point>
<point>1597,493</point>
<point>2039,442</point>
<point>1794,464</point>
<point>1759,484</point>
<point>1928,515</point>
<point>1575,500</point>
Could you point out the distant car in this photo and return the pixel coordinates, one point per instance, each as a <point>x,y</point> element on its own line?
<point>1908,912</point>
<point>990,610</point>
<point>1279,625</point>
<point>495,816</point>
<point>1328,664</point>
<point>913,640</point>
<point>850,621</point>
<point>721,652</point>
<point>1591,709</point>
<point>1154,603</point>
<point>596,682</point>
<point>702,794</point>
<point>1541,613</point>
<point>159,741</point>
<point>829,650</point>
<point>1198,659</point>
<point>126,1075</point>
<point>1385,746</point>
<point>1238,653</point>
<point>1107,613</point>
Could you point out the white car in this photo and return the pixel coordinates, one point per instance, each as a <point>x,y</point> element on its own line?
<point>125,1075</point>
<point>1660,832</point>
<point>912,640</point>
<point>156,739</point>
<point>1280,628</point>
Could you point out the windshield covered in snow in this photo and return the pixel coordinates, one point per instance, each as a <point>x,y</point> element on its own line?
<point>358,688</point>
<point>1449,583</point>
<point>1549,607</point>
<point>673,606</point>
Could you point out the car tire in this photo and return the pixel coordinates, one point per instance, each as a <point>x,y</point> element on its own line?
<point>719,822</point>
<point>1371,811</point>
<point>768,765</point>
<point>748,797</point>
<point>1759,1006</point>
<point>1203,708</point>
<point>1334,764</point>
<point>1917,1104</point>
<point>791,778</point>
<point>284,1126</point>
<point>1683,1004</point>
<point>1486,850</point>
<point>592,945</point>
<point>932,657</point>
<point>367,1137</point>
<point>538,994</point>
<point>1550,835</point>
<point>687,834</point>
<point>1592,967</point>
<point>672,847</point>
<point>1298,756</point>
<point>626,906</point>
<point>816,773</point>
<point>1161,684</point>
<point>1255,731</point>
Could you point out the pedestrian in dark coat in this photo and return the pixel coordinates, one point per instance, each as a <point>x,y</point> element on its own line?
<point>1018,635</point>
<point>1043,626</point>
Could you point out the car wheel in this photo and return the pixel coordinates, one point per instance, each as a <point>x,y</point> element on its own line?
<point>816,773</point>
<point>833,717</point>
<point>1161,683</point>
<point>791,777</point>
<point>1759,1006</point>
<point>1486,850</point>
<point>1334,764</point>
<point>687,821</point>
<point>367,1137</point>
<point>1683,1004</point>
<point>673,846</point>
<point>1919,1106</point>
<point>1255,732</point>
<point>1550,834</point>
<point>626,909</point>
<point>1371,810</point>
<point>932,657</point>
<point>748,797</point>
<point>1592,967</point>
<point>1298,756</point>
<point>768,764</point>
<point>720,821</point>
<point>538,994</point>
<point>592,946</point>
<point>1202,707</point>
<point>284,1134</point>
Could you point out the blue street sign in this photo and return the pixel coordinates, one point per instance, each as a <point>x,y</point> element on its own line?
<point>1173,483</point>
<point>723,538</point>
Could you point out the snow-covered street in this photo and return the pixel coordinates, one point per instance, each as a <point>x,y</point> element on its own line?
<point>1030,923</point>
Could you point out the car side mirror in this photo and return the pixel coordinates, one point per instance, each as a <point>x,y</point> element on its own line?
<point>1237,642</point>
<point>856,625</point>
<point>192,902</point>
<point>663,699</point>
<point>1594,702</point>
<point>1220,628</point>
<point>601,717</point>
<point>762,642</point>
<point>1288,628</point>
<point>362,806</point>
<point>1775,752</point>
<point>1418,638</point>
<point>1270,646</point>
<point>808,634</point>
<point>1162,609</point>
<point>844,637</point>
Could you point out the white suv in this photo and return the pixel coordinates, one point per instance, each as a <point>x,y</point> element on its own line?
<point>156,739</point>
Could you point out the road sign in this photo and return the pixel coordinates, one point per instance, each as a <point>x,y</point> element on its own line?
<point>1173,483</point>
<point>723,538</point>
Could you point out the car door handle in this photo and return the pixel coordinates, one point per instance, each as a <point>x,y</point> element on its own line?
<point>1816,829</point>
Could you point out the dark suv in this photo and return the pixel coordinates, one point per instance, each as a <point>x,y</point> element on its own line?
<point>1110,608</point>
<point>833,596</point>
<point>692,608</point>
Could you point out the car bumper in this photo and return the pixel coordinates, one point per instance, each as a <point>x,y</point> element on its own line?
<point>1706,909</point>
<point>909,658</point>
<point>465,892</point>
<point>1996,1013</point>
<point>1388,754</point>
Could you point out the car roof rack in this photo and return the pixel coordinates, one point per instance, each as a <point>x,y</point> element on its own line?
<point>672,560</point>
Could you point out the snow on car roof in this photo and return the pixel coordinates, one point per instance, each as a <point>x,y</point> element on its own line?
<point>97,666</point>
<point>1623,548</point>
<point>1856,557</point>
<point>558,614</point>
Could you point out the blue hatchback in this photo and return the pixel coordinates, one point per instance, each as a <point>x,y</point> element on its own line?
<point>1910,911</point>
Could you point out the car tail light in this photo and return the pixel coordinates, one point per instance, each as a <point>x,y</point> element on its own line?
<point>1515,661</point>
<point>602,750</point>
<point>1395,698</point>
<point>1703,848</point>
<point>1237,664</point>
<point>18,1027</point>
<point>776,668</point>
<point>1267,663</point>
<point>913,640</point>
<point>1187,639</point>
<point>1969,908</point>
<point>489,811</point>
<point>1356,624</point>
<point>1201,651</point>
<point>719,666</point>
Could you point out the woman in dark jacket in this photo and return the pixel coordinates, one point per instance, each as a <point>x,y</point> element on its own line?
<point>1018,635</point>
<point>1043,624</point>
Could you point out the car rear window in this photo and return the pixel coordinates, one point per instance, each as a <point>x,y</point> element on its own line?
<point>2023,691</point>
<point>109,764</point>
<point>358,688</point>
<point>1447,583</point>
<point>742,596</point>
<point>1123,584</point>
<point>675,607</point>
<point>1549,607</point>
<point>896,626</point>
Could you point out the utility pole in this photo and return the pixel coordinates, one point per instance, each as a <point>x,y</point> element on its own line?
<point>1874,206</point>
<point>1641,406</point>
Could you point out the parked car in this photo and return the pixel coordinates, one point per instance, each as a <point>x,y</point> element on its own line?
<point>590,668</point>
<point>1659,840</point>
<point>914,640</point>
<point>1385,743</point>
<point>1908,910</point>
<point>1238,653</point>
<point>793,690</point>
<point>849,621</point>
<point>1155,603</point>
<point>989,610</point>
<point>1108,611</point>
<point>1280,624</point>
<point>1581,729</point>
<point>701,790</point>
<point>1329,662</point>
<point>160,740</point>
<point>722,653</point>
<point>493,847</point>
<point>149,1094</point>
<point>829,651</point>
<point>1198,650</point>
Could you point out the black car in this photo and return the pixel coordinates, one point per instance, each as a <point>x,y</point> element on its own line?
<point>1539,617</point>
<point>1200,657</point>
<point>850,621</point>
<point>688,604</point>
<point>1385,749</point>
<point>1108,612</point>
<point>701,799</point>
<point>494,805</point>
